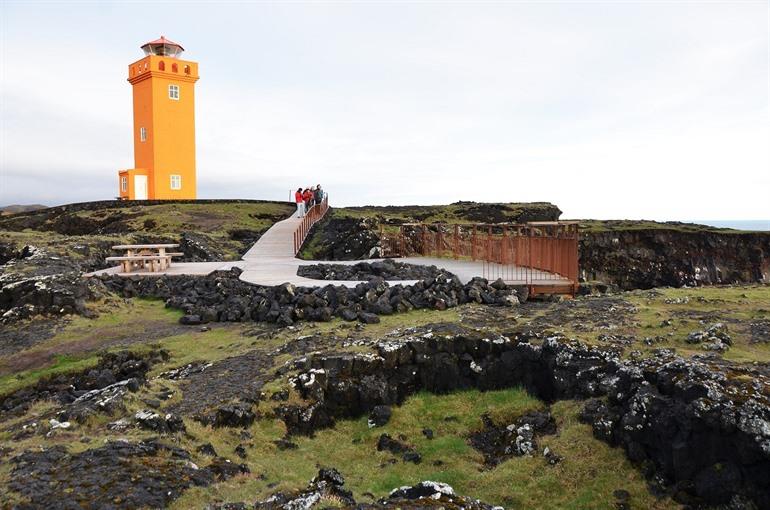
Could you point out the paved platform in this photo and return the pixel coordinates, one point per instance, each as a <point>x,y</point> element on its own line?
<point>178,268</point>
<point>271,261</point>
<point>466,270</point>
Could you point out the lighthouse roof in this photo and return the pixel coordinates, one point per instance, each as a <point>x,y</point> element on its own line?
<point>162,46</point>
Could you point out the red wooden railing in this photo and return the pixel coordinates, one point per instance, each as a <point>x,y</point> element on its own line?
<point>312,216</point>
<point>538,253</point>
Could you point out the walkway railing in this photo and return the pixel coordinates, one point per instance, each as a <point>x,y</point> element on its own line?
<point>538,253</point>
<point>312,216</point>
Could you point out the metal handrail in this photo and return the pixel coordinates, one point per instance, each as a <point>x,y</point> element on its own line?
<point>312,216</point>
<point>528,252</point>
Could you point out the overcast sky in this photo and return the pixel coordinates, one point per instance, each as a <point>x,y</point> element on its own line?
<point>652,109</point>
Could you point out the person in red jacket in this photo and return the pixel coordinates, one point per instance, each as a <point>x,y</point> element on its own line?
<point>308,196</point>
<point>300,200</point>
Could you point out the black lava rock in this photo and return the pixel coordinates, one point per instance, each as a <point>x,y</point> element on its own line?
<point>53,478</point>
<point>368,318</point>
<point>207,449</point>
<point>190,320</point>
<point>661,409</point>
<point>379,416</point>
<point>236,415</point>
<point>387,443</point>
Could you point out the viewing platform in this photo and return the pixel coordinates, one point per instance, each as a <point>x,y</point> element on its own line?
<point>541,256</point>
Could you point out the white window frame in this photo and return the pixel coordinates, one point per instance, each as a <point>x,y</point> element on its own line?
<point>143,134</point>
<point>123,183</point>
<point>178,179</point>
<point>173,92</point>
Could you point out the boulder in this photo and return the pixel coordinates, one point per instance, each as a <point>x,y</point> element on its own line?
<point>161,424</point>
<point>234,415</point>
<point>379,416</point>
<point>191,320</point>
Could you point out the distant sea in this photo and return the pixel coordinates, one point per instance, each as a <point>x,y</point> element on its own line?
<point>736,224</point>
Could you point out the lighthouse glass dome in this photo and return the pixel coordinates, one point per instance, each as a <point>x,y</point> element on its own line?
<point>163,47</point>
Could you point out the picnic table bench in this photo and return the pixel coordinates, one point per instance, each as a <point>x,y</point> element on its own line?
<point>147,257</point>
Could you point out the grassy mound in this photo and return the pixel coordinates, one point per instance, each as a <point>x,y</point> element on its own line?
<point>75,231</point>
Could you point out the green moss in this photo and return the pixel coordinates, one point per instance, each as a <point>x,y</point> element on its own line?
<point>62,364</point>
<point>586,478</point>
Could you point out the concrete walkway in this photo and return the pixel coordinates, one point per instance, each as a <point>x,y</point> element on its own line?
<point>271,261</point>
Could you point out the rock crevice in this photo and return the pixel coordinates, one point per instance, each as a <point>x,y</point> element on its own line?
<point>702,430</point>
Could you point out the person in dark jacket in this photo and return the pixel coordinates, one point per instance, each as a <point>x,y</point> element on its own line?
<point>318,194</point>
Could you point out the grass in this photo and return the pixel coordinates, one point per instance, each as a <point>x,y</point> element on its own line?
<point>62,364</point>
<point>77,344</point>
<point>76,248</point>
<point>140,324</point>
<point>734,306</point>
<point>688,310</point>
<point>586,478</point>
<point>461,212</point>
<point>602,226</point>
<point>212,221</point>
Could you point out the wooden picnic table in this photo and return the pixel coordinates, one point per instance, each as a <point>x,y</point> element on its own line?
<point>147,257</point>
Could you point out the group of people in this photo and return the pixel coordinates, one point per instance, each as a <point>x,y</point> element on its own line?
<point>307,198</point>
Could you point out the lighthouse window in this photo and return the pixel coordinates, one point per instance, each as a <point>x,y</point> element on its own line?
<point>143,134</point>
<point>176,182</point>
<point>162,65</point>
<point>124,184</point>
<point>173,92</point>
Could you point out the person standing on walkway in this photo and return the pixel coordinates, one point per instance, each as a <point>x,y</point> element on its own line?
<point>300,200</point>
<point>318,194</point>
<point>308,197</point>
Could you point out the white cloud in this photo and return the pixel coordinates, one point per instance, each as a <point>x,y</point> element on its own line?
<point>656,110</point>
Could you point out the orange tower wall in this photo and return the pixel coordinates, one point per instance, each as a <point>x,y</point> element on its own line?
<point>169,147</point>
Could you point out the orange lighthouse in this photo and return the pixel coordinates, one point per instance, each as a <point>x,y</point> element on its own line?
<point>164,125</point>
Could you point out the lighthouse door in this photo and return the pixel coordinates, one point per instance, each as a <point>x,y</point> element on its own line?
<point>140,187</point>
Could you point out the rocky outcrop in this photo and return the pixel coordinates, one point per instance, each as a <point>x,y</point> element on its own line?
<point>197,248</point>
<point>463,211</point>
<point>230,415</point>
<point>327,485</point>
<point>429,494</point>
<point>327,489</point>
<point>223,297</point>
<point>32,282</point>
<point>701,428</point>
<point>93,388</point>
<point>150,475</point>
<point>643,259</point>
<point>159,423</point>
<point>500,442</point>
<point>342,238</point>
